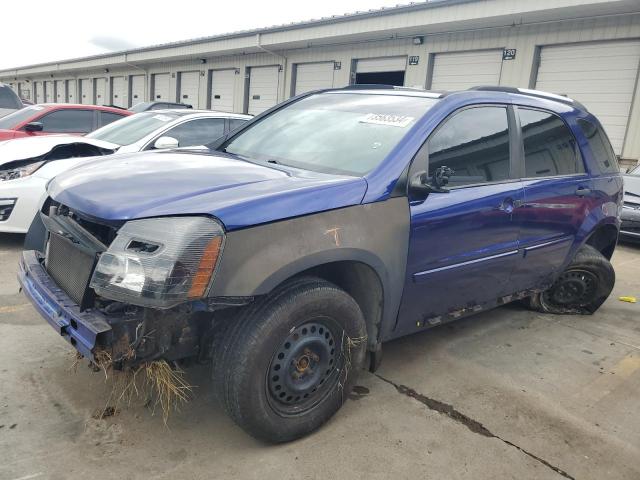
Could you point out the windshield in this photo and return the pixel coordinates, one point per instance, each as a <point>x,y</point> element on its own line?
<point>344,133</point>
<point>14,119</point>
<point>131,129</point>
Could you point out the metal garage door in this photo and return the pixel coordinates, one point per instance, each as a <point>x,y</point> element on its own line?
<point>463,70</point>
<point>86,91</point>
<point>263,88</point>
<point>61,91</point>
<point>190,88</point>
<point>137,89</point>
<point>313,76</point>
<point>71,91</point>
<point>161,87</point>
<point>384,64</point>
<point>38,92</point>
<point>223,87</point>
<point>601,75</point>
<point>119,92</point>
<point>101,92</point>
<point>49,92</point>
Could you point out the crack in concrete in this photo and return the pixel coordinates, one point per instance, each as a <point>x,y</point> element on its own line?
<point>470,423</point>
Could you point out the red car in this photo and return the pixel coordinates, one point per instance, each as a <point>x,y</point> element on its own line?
<point>52,118</point>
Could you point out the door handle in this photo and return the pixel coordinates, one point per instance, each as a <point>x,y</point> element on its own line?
<point>583,191</point>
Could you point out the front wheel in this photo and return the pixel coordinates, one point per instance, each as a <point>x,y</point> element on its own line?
<point>286,364</point>
<point>582,288</point>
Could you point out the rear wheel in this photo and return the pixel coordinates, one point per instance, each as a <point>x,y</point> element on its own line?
<point>287,362</point>
<point>581,288</point>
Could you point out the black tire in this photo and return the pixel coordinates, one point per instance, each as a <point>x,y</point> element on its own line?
<point>288,361</point>
<point>581,289</point>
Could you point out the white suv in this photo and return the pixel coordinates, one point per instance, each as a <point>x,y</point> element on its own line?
<point>9,100</point>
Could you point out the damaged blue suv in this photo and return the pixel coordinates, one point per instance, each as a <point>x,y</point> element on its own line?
<point>341,219</point>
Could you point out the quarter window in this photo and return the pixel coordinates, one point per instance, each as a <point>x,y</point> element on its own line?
<point>197,132</point>
<point>107,117</point>
<point>600,147</point>
<point>72,121</point>
<point>475,144</point>
<point>549,146</point>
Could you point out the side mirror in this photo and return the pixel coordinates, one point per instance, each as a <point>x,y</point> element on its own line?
<point>33,127</point>
<point>423,184</point>
<point>166,142</point>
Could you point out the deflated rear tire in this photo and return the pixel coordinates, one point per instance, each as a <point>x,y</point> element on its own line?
<point>581,289</point>
<point>288,361</point>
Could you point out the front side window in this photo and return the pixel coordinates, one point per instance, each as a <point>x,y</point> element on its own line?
<point>68,121</point>
<point>342,133</point>
<point>133,128</point>
<point>549,146</point>
<point>474,143</point>
<point>197,132</point>
<point>600,146</point>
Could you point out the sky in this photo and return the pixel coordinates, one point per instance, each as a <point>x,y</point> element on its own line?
<point>65,29</point>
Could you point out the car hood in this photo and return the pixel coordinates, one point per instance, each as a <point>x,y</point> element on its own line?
<point>238,192</point>
<point>632,189</point>
<point>32,147</point>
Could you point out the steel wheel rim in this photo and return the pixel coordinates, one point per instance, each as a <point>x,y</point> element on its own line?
<point>573,288</point>
<point>304,368</point>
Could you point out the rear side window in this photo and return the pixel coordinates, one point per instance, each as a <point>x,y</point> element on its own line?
<point>600,147</point>
<point>197,132</point>
<point>107,117</point>
<point>235,123</point>
<point>71,121</point>
<point>549,146</point>
<point>475,144</point>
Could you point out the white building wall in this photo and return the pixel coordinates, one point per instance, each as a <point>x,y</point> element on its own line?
<point>353,40</point>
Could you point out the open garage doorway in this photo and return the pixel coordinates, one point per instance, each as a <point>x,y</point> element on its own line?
<point>381,71</point>
<point>381,78</point>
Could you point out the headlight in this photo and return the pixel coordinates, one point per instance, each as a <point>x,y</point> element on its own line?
<point>160,262</point>
<point>19,170</point>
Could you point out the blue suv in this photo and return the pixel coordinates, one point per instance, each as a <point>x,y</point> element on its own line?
<point>341,219</point>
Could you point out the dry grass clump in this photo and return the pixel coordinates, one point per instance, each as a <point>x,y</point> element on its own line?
<point>348,344</point>
<point>157,382</point>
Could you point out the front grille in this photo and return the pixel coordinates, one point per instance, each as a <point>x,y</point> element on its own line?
<point>70,266</point>
<point>6,207</point>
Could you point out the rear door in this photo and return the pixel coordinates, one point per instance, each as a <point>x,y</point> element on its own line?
<point>463,244</point>
<point>557,197</point>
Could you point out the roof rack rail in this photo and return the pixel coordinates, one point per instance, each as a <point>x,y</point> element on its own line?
<point>531,93</point>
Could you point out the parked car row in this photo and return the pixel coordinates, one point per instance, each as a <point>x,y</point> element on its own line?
<point>27,164</point>
<point>287,251</point>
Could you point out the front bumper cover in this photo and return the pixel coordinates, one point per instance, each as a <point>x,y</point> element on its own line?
<point>83,329</point>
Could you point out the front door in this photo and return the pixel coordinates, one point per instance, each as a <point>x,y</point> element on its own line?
<point>463,244</point>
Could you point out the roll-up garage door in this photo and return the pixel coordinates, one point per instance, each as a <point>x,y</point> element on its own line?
<point>263,88</point>
<point>61,91</point>
<point>137,89</point>
<point>601,75</point>
<point>119,92</point>
<point>49,92</point>
<point>463,70</point>
<point>161,87</point>
<point>101,92</point>
<point>223,83</point>
<point>86,91</point>
<point>190,88</point>
<point>71,91</point>
<point>383,70</point>
<point>313,76</point>
<point>39,92</point>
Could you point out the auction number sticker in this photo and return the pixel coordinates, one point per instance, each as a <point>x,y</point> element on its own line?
<point>401,121</point>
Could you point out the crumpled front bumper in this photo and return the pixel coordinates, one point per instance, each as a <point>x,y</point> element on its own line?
<point>82,329</point>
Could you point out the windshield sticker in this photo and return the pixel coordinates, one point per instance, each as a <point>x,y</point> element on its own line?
<point>401,121</point>
<point>162,118</point>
